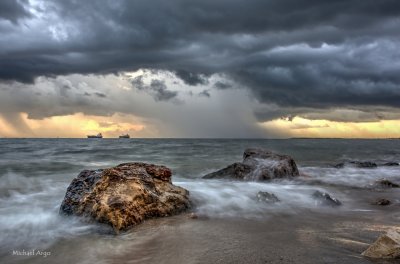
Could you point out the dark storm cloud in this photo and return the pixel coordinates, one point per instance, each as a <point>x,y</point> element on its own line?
<point>191,78</point>
<point>158,89</point>
<point>205,93</point>
<point>13,10</point>
<point>161,92</point>
<point>222,85</point>
<point>296,54</point>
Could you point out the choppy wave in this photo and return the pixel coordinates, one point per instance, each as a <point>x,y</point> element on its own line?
<point>352,177</point>
<point>29,213</point>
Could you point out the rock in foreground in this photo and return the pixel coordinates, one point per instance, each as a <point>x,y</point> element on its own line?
<point>125,195</point>
<point>258,165</point>
<point>386,246</point>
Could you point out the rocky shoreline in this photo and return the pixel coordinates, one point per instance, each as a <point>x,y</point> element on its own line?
<point>126,195</point>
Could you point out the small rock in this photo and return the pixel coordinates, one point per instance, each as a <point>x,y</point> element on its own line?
<point>357,164</point>
<point>339,165</point>
<point>193,216</point>
<point>267,197</point>
<point>325,199</point>
<point>386,246</point>
<point>382,201</point>
<point>390,164</point>
<point>364,164</point>
<point>385,183</point>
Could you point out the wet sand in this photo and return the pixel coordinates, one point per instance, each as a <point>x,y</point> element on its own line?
<point>307,238</point>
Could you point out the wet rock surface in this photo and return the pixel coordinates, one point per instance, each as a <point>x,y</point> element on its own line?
<point>391,164</point>
<point>325,199</point>
<point>125,195</point>
<point>382,202</point>
<point>266,197</point>
<point>387,246</point>
<point>384,184</point>
<point>258,165</point>
<point>356,164</point>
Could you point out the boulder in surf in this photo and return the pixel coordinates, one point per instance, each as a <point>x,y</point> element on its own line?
<point>258,165</point>
<point>125,195</point>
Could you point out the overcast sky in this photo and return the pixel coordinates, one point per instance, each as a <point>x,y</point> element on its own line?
<point>210,68</point>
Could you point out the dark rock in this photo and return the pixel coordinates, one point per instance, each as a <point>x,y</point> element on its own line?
<point>382,201</point>
<point>385,183</point>
<point>357,164</point>
<point>390,164</point>
<point>364,164</point>
<point>267,197</point>
<point>339,165</point>
<point>325,199</point>
<point>258,165</point>
<point>125,195</point>
<point>237,171</point>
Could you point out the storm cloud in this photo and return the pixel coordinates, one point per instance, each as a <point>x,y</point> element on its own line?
<point>297,57</point>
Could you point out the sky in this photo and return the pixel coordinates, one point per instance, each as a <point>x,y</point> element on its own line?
<point>209,68</point>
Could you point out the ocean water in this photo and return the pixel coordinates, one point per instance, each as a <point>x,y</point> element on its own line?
<point>35,173</point>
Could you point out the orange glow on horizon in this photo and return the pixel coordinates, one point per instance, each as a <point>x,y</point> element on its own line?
<point>301,127</point>
<point>80,125</point>
<point>74,126</point>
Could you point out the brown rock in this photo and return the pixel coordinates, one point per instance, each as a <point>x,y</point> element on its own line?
<point>125,195</point>
<point>386,246</point>
<point>258,165</point>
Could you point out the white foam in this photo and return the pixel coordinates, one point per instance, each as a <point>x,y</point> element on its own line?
<point>29,212</point>
<point>352,177</point>
<point>218,198</point>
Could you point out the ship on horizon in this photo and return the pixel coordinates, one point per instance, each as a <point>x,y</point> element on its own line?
<point>95,136</point>
<point>125,136</point>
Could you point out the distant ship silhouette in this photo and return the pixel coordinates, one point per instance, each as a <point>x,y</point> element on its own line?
<point>95,136</point>
<point>124,136</point>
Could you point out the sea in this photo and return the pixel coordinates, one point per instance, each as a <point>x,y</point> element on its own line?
<point>35,173</point>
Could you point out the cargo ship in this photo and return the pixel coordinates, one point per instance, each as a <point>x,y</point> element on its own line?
<point>95,136</point>
<point>124,136</point>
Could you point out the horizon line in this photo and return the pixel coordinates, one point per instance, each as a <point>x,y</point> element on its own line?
<point>249,138</point>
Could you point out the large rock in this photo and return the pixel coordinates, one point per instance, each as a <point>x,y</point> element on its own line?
<point>386,246</point>
<point>125,195</point>
<point>258,165</point>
